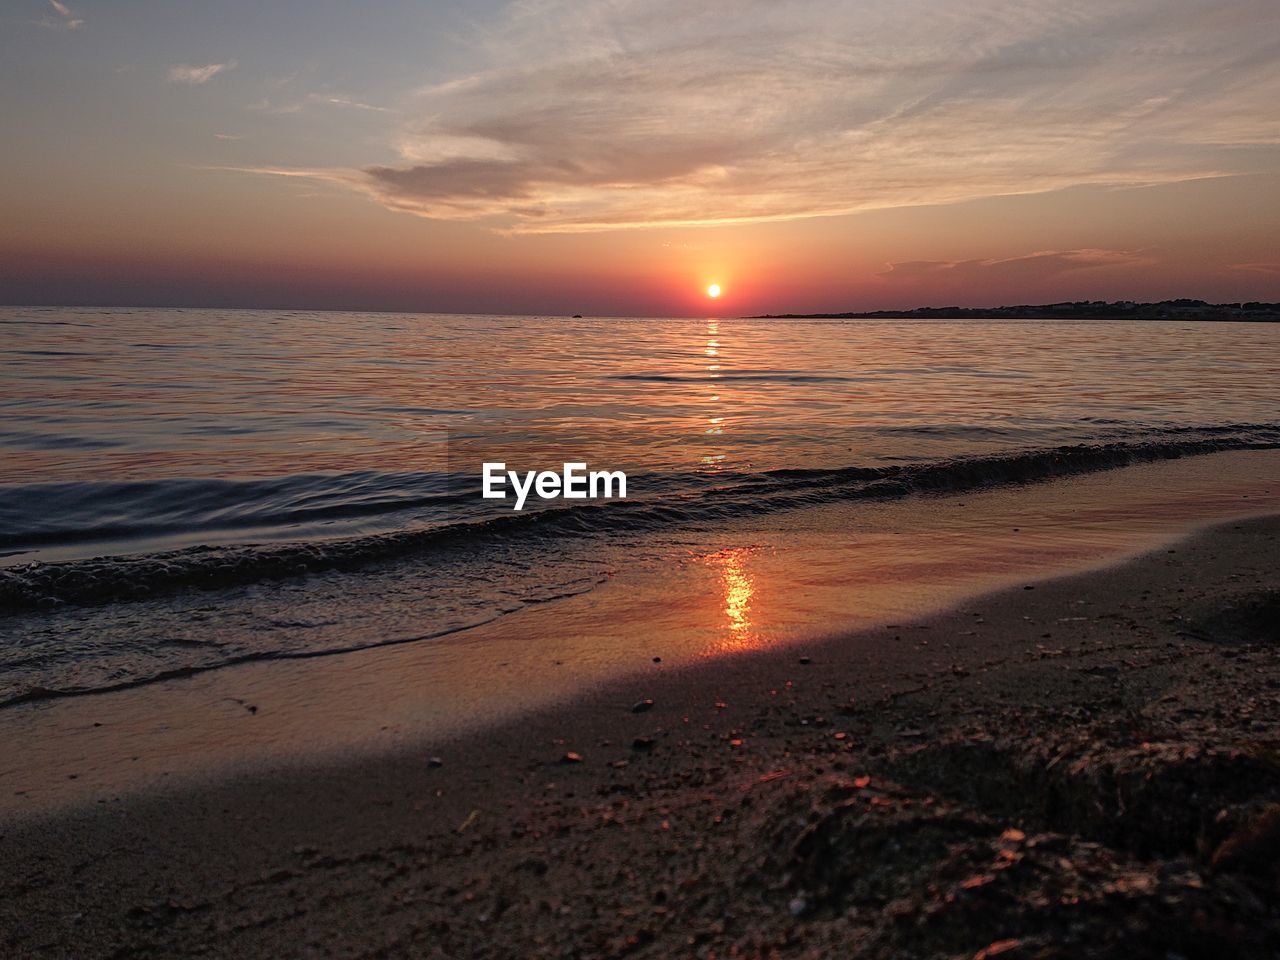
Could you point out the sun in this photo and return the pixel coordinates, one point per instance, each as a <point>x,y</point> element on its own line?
<point>713,291</point>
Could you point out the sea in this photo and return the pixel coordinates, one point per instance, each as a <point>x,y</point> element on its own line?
<point>182,490</point>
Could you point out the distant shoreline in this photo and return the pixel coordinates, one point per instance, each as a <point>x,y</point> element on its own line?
<point>1251,311</point>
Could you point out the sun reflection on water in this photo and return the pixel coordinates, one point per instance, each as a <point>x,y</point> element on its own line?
<point>714,424</point>
<point>738,587</point>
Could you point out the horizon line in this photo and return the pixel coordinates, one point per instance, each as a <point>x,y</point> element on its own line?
<point>824,314</point>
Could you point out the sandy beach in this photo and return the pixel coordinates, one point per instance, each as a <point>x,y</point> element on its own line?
<point>562,480</point>
<point>1077,767</point>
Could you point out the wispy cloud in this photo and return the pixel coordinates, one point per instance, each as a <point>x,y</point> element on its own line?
<point>1038,265</point>
<point>603,114</point>
<point>297,105</point>
<point>185,73</point>
<point>65,19</point>
<point>1269,269</point>
<point>324,176</point>
<point>348,102</point>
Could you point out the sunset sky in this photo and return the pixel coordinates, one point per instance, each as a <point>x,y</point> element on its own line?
<point>583,156</point>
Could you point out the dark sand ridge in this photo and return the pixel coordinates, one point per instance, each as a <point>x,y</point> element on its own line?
<point>1085,768</point>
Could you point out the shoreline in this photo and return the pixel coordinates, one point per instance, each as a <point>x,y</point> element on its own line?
<point>1183,309</point>
<point>759,587</point>
<point>726,811</point>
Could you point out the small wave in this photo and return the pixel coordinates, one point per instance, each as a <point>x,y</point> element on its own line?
<point>54,441</point>
<point>109,579</point>
<point>45,514</point>
<point>39,693</point>
<point>742,376</point>
<point>107,670</point>
<point>7,322</point>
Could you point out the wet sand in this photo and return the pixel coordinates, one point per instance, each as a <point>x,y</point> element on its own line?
<point>1083,766</point>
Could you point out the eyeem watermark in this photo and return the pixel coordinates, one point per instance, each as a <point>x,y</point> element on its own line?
<point>574,482</point>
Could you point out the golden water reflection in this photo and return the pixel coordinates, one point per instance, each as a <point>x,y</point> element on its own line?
<point>715,425</point>
<point>737,587</point>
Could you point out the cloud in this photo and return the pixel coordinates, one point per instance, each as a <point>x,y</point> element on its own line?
<point>266,105</point>
<point>185,73</point>
<point>603,114</point>
<point>1039,265</point>
<point>66,20</point>
<point>347,102</point>
<point>1269,269</point>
